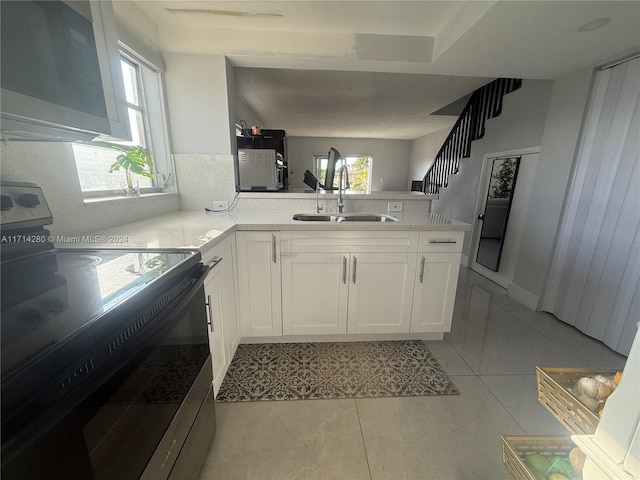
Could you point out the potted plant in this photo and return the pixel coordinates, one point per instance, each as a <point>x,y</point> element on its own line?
<point>134,161</point>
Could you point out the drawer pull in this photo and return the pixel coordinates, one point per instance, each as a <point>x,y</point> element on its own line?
<point>214,262</point>
<point>442,241</point>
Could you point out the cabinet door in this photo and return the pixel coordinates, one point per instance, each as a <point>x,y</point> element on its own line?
<point>229,303</point>
<point>213,295</point>
<point>259,283</point>
<point>314,293</point>
<point>380,291</point>
<point>435,291</point>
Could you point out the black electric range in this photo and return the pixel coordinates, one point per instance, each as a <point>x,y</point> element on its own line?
<point>84,330</point>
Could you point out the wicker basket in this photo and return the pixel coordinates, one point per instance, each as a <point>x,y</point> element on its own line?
<point>554,394</point>
<point>514,449</point>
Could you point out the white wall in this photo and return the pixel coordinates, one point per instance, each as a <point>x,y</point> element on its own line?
<point>390,159</point>
<point>569,98</point>
<point>137,31</point>
<point>423,152</point>
<point>520,126</point>
<point>244,112</point>
<point>52,167</point>
<point>201,115</point>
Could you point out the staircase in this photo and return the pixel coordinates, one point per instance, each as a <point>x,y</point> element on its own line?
<point>485,103</point>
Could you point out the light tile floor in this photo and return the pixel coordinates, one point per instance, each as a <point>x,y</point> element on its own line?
<point>490,354</point>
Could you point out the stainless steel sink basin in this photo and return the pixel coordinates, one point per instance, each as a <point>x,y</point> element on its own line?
<point>344,217</point>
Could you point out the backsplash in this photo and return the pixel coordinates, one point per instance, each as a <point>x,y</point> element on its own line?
<point>295,204</point>
<point>51,166</point>
<point>203,178</point>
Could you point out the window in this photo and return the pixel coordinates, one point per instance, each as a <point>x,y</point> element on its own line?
<point>147,121</point>
<point>359,168</point>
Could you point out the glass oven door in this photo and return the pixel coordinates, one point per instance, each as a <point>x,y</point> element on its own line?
<point>139,414</point>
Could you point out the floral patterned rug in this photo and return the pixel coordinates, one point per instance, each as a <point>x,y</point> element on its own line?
<point>303,371</point>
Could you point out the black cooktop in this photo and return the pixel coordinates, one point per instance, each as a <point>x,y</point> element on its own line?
<point>48,298</point>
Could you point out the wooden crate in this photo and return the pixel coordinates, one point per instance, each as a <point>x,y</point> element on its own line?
<point>515,448</point>
<point>554,394</point>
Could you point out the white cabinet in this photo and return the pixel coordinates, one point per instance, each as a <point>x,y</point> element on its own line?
<point>314,293</point>
<point>380,292</point>
<point>434,292</point>
<point>436,280</point>
<point>213,291</point>
<point>259,283</point>
<point>347,282</point>
<point>220,294</point>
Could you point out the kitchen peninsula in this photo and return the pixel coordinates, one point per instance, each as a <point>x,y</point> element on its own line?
<point>276,279</point>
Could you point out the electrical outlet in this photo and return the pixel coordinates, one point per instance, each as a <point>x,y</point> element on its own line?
<point>394,206</point>
<point>220,204</point>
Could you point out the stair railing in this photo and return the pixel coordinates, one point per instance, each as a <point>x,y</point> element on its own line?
<point>484,103</point>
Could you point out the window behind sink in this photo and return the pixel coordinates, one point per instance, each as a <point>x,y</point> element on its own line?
<point>358,166</point>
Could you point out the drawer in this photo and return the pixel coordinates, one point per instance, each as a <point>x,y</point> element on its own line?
<point>357,241</point>
<point>448,242</point>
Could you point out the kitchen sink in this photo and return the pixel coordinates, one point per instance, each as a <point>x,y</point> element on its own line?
<point>344,217</point>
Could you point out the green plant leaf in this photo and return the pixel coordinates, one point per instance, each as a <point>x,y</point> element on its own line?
<point>134,160</point>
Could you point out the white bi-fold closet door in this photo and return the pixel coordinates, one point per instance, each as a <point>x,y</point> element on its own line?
<point>595,272</point>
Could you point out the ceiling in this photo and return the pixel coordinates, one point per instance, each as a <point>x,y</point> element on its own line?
<point>379,69</point>
<point>324,103</point>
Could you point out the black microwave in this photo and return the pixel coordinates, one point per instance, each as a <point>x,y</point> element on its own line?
<point>51,75</point>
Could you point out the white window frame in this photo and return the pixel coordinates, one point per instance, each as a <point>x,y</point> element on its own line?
<point>155,125</point>
<point>318,157</point>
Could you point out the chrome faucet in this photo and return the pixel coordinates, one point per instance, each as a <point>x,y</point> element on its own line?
<point>341,188</point>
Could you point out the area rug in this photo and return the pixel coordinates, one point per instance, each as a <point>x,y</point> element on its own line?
<point>303,371</point>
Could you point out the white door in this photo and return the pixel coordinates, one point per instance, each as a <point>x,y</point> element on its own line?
<point>434,292</point>
<point>516,218</point>
<point>594,279</point>
<point>259,283</point>
<point>314,293</point>
<point>380,292</point>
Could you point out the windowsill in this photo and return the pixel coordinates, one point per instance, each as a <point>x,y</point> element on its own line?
<point>116,199</point>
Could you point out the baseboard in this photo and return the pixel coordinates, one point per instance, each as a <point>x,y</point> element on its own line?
<point>464,260</point>
<point>345,337</point>
<point>523,296</point>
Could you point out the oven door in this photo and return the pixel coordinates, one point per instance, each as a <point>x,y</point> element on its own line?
<point>138,420</point>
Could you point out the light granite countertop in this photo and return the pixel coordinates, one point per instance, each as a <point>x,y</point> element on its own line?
<point>203,230</point>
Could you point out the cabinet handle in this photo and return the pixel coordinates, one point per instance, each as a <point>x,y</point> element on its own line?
<point>355,264</point>
<point>214,262</point>
<point>210,313</point>
<point>344,270</point>
<point>422,270</point>
<point>273,248</point>
<point>442,241</point>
